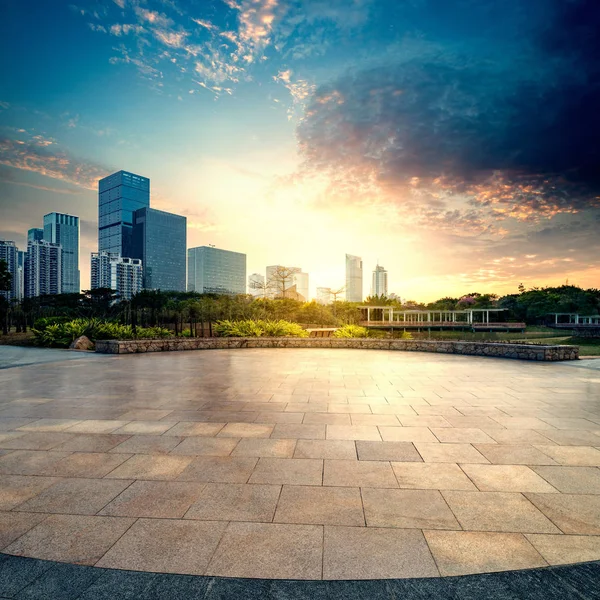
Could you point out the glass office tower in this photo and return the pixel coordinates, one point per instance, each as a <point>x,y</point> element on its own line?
<point>35,234</point>
<point>119,196</point>
<point>215,271</point>
<point>159,240</point>
<point>354,278</point>
<point>63,229</point>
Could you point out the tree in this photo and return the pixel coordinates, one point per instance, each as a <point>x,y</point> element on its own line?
<point>282,279</point>
<point>265,286</point>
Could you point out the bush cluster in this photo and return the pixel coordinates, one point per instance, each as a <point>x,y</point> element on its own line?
<point>260,328</point>
<point>56,333</point>
<point>355,331</point>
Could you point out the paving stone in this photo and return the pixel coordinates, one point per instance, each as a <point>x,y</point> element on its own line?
<point>165,546</point>
<point>407,434</point>
<point>465,552</point>
<point>145,428</point>
<point>566,549</point>
<point>507,478</point>
<point>97,426</point>
<point>49,425</point>
<point>450,453</point>
<point>184,429</point>
<point>466,435</point>
<point>407,509</point>
<point>154,499</point>
<point>431,476</point>
<point>298,471</point>
<point>363,473</point>
<point>85,464</point>
<point>246,430</point>
<point>235,502</point>
<point>75,496</point>
<point>580,456</point>
<point>279,448</point>
<point>565,437</point>
<point>145,414</point>
<point>519,436</point>
<point>573,513</point>
<point>500,454</point>
<point>146,466</point>
<point>355,553</point>
<point>20,440</point>
<point>270,551</point>
<point>218,469</point>
<point>74,539</point>
<point>498,511</point>
<point>398,451</point>
<point>206,446</point>
<point>331,449</point>
<point>14,524</point>
<point>16,489</point>
<point>572,480</point>
<point>28,462</point>
<point>92,442</point>
<point>320,506</point>
<point>124,585</point>
<point>61,581</point>
<point>326,419</point>
<point>147,444</point>
<point>299,432</point>
<point>17,573</point>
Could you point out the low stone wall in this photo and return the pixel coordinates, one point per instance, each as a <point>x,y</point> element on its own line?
<point>502,350</point>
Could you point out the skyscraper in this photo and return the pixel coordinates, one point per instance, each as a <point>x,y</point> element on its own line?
<point>9,254</point>
<point>43,269</point>
<point>215,271</point>
<point>300,280</point>
<point>159,240</point>
<point>354,278</point>
<point>122,274</point>
<point>379,285</point>
<point>63,229</point>
<point>119,196</point>
<point>35,234</point>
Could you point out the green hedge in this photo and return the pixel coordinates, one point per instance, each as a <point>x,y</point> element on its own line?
<point>60,334</point>
<point>260,328</point>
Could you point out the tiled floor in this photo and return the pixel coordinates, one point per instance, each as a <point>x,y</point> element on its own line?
<point>299,464</point>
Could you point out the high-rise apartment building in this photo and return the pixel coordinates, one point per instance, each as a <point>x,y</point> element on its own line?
<point>21,255</point>
<point>215,271</point>
<point>63,229</point>
<point>10,254</point>
<point>354,278</point>
<point>256,285</point>
<point>379,285</point>
<point>119,196</point>
<point>300,280</point>
<point>324,295</point>
<point>35,234</point>
<point>159,240</point>
<point>43,269</point>
<point>122,274</point>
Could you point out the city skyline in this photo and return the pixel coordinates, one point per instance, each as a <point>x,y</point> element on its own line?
<point>456,142</point>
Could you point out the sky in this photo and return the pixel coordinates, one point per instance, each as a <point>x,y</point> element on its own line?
<point>454,142</point>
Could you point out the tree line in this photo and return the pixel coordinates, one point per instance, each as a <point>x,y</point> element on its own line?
<point>195,313</point>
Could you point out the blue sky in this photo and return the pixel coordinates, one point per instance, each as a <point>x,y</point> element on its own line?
<point>455,141</point>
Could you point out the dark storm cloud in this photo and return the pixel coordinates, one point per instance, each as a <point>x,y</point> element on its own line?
<point>511,126</point>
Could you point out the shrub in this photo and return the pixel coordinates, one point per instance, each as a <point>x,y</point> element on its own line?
<point>351,331</point>
<point>43,322</point>
<point>249,328</point>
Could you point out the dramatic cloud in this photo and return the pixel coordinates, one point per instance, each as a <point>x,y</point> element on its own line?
<point>37,155</point>
<point>512,135</point>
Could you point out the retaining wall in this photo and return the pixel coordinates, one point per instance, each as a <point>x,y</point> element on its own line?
<point>502,350</point>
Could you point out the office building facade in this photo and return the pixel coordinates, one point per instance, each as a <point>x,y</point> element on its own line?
<point>379,285</point>
<point>159,240</point>
<point>10,254</point>
<point>63,229</point>
<point>43,269</point>
<point>215,271</point>
<point>354,278</point>
<point>124,275</point>
<point>35,234</point>
<point>119,196</point>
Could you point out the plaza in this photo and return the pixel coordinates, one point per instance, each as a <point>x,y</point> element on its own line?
<point>301,464</point>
